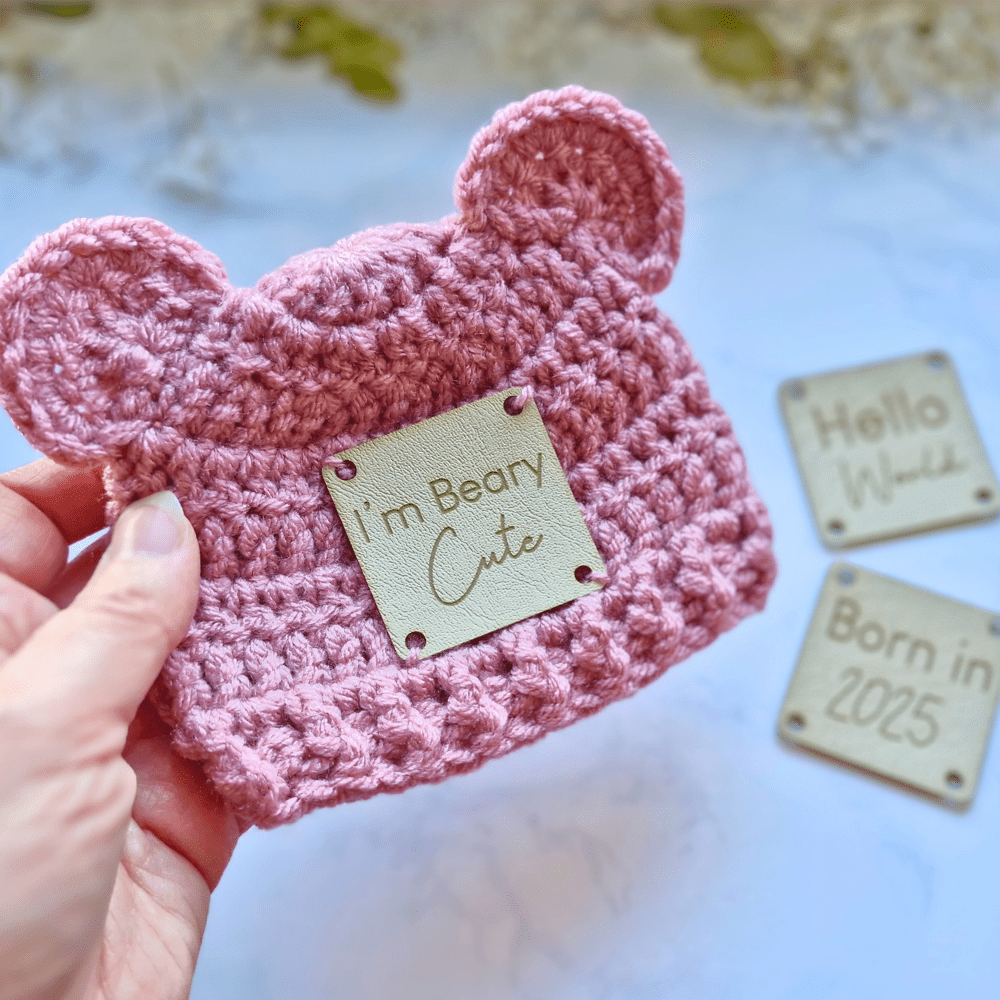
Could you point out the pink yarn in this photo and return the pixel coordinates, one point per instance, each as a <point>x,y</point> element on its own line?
<point>124,344</point>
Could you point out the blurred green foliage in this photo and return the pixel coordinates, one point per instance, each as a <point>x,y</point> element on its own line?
<point>732,44</point>
<point>58,9</point>
<point>352,51</point>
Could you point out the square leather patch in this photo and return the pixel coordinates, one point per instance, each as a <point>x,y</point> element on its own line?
<point>463,524</point>
<point>888,449</point>
<point>897,680</point>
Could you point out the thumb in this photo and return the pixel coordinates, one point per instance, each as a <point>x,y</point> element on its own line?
<point>94,662</point>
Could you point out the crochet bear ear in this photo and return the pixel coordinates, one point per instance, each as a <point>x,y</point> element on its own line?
<point>575,169</point>
<point>96,320</point>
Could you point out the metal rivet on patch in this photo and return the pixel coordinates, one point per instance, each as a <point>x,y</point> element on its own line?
<point>897,680</point>
<point>888,449</point>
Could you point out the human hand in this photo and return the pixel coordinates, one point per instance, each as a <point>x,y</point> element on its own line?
<point>110,843</point>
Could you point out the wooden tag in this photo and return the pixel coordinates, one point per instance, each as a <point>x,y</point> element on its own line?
<point>888,449</point>
<point>896,680</point>
<point>463,524</point>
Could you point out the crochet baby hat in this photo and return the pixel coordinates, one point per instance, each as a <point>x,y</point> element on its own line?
<point>123,344</point>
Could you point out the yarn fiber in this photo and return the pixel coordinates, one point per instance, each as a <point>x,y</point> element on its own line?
<point>123,344</point>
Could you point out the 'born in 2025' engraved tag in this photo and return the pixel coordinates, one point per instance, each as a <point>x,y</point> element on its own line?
<point>888,449</point>
<point>463,524</point>
<point>896,680</point>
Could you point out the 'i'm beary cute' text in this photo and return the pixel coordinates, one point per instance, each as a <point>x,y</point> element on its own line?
<point>455,566</point>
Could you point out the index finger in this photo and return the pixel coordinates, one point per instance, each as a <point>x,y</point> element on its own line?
<point>44,507</point>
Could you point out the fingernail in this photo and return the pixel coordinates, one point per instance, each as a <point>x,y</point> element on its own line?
<point>157,527</point>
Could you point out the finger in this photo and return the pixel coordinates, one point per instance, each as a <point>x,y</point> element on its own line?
<point>71,498</point>
<point>22,611</point>
<point>32,549</point>
<point>174,801</point>
<point>64,589</point>
<point>90,665</point>
<point>43,507</point>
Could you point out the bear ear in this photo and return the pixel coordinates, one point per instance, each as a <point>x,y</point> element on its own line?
<point>96,323</point>
<point>573,166</point>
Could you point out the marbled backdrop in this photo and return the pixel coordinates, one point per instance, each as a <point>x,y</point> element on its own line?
<point>671,846</point>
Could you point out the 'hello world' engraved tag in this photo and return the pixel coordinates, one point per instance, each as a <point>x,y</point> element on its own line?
<point>463,524</point>
<point>897,680</point>
<point>888,449</point>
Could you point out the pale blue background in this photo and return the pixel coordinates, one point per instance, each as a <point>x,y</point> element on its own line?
<point>669,847</point>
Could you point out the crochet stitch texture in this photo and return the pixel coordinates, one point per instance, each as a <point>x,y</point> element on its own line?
<point>123,343</point>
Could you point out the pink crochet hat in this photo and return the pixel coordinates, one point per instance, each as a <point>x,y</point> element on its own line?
<point>123,344</point>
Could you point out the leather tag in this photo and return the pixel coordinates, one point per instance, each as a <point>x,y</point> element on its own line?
<point>463,524</point>
<point>888,449</point>
<point>897,680</point>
